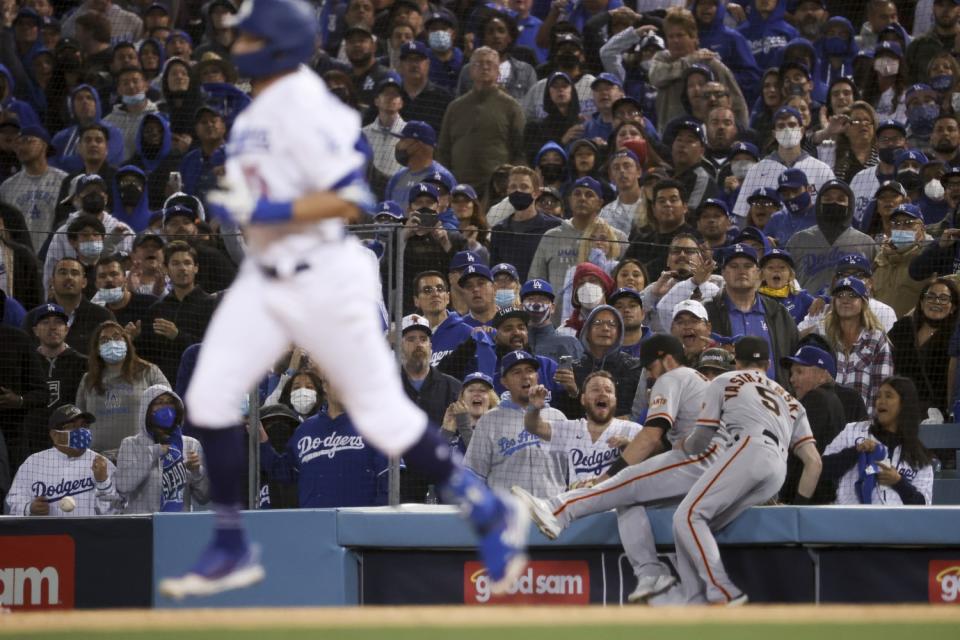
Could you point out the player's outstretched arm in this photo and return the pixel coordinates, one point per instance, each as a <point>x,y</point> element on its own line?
<point>812,465</point>
<point>532,421</point>
<point>235,202</point>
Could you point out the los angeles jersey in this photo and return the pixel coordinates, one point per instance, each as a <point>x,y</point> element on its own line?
<point>748,403</point>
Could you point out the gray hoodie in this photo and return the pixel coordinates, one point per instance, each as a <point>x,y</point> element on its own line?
<point>140,466</point>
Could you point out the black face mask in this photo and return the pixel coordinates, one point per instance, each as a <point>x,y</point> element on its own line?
<point>568,59</point>
<point>551,172</point>
<point>833,219</point>
<point>93,203</point>
<point>402,156</point>
<point>130,195</point>
<point>910,180</point>
<point>886,155</point>
<point>520,200</point>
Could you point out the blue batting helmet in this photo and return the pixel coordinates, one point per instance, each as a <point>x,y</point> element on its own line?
<point>289,28</point>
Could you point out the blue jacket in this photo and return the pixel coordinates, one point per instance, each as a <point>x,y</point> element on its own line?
<point>819,93</point>
<point>332,464</point>
<point>139,218</point>
<point>25,113</point>
<point>65,142</point>
<point>784,224</point>
<point>825,72</point>
<point>767,38</point>
<point>448,335</point>
<point>446,74</point>
<point>733,50</point>
<point>196,169</point>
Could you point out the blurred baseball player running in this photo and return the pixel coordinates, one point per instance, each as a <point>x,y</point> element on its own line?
<point>294,174</point>
<point>762,420</point>
<point>636,479</point>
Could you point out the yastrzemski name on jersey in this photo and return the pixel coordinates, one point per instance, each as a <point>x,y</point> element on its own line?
<point>310,448</point>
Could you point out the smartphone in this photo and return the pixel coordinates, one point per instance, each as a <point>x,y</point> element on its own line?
<point>428,219</point>
<point>174,182</point>
<point>566,362</point>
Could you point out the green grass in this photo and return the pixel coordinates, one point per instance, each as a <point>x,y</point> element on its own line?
<point>612,631</point>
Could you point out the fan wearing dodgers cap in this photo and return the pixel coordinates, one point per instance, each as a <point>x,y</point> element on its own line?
<point>892,282</point>
<point>741,310</point>
<point>537,299</point>
<point>856,266</point>
<point>383,133</point>
<point>765,424</point>
<point>797,214</point>
<point>891,137</point>
<point>415,151</point>
<point>778,281</point>
<point>476,398</point>
<point>505,454</point>
<point>788,130</point>
<point>688,143</point>
<point>812,372</point>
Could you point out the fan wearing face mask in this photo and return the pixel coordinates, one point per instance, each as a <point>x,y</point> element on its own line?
<point>537,299</point>
<point>85,234</point>
<point>788,131</point>
<point>818,249</point>
<point>797,214</point>
<point>891,138</point>
<point>128,307</point>
<point>886,86</point>
<point>302,394</point>
<point>68,468</point>
<point>922,112</point>
<point>159,468</point>
<point>130,201</point>
<point>589,289</point>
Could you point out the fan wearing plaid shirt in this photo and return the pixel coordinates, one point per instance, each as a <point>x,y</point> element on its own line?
<point>864,356</point>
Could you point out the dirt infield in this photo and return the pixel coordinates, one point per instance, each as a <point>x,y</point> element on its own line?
<point>13,624</point>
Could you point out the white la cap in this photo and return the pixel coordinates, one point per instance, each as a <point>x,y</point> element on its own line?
<point>414,321</point>
<point>691,306</point>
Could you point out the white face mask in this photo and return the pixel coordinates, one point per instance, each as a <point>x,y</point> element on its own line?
<point>739,168</point>
<point>303,400</point>
<point>589,295</point>
<point>934,189</point>
<point>789,138</point>
<point>886,66</point>
<point>109,296</point>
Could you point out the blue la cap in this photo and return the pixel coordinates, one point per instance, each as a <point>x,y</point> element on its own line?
<point>392,79</point>
<point>89,179</point>
<point>765,193</point>
<point>626,153</point>
<point>27,12</point>
<point>810,356</point>
<point>537,286</point>
<point>445,180</point>
<point>750,233</point>
<point>624,292</point>
<point>179,33</point>
<point>688,124</point>
<point>713,202</point>
<point>950,170</point>
<point>559,75</point>
<point>414,48</point>
<point>792,179</point>
<point>914,89</point>
<point>795,64</point>
<point>514,358</point>
<point>911,210</point>
<point>745,147</point>
<point>389,208</point>
<point>441,15</point>
<point>778,254</point>
<point>45,311</point>
<point>854,261</point>
<point>741,251</point>
<point>785,112</point>
<point>478,376</point>
<point>475,271</point>
<point>35,131</point>
<point>890,123</point>
<point>890,47</point>
<point>589,183</point>
<point>464,190</point>
<point>606,77</point>
<point>419,131</point>
<point>463,259</point>
<point>423,189</point>
<point>854,284</point>
<point>505,267</point>
<point>905,155</point>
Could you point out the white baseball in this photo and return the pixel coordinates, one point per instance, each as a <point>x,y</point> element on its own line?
<point>67,504</point>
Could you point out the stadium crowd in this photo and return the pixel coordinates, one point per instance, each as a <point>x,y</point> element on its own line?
<point>558,181</point>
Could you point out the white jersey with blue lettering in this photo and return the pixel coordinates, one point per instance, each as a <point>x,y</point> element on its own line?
<point>587,458</point>
<point>676,397</point>
<point>748,403</point>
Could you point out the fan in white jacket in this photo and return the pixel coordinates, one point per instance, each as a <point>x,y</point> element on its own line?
<point>46,478</point>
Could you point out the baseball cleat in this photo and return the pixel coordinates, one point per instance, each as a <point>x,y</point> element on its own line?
<point>739,601</point>
<point>650,586</point>
<point>503,548</point>
<point>540,511</point>
<point>217,570</point>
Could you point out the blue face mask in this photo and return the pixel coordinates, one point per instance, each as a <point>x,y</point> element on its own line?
<point>798,204</point>
<point>902,238</point>
<point>834,46</point>
<point>79,438</point>
<point>114,351</point>
<point>941,83</point>
<point>504,297</point>
<point>135,99</point>
<point>922,116</point>
<point>164,417</point>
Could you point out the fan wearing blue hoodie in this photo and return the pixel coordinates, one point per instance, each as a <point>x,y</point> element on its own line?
<point>798,213</point>
<point>729,44</point>
<point>25,113</point>
<point>130,198</point>
<point>84,107</point>
<point>766,31</point>
<point>156,155</point>
<point>802,51</point>
<point>198,165</point>
<point>837,49</point>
